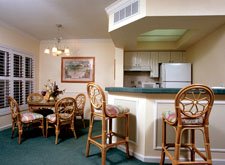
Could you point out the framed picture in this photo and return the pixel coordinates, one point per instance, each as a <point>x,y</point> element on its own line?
<point>78,69</point>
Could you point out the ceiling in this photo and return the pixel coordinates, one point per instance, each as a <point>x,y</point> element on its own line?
<point>81,19</point>
<point>159,35</point>
<point>87,19</point>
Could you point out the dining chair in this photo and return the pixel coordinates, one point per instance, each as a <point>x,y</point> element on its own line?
<point>63,116</point>
<point>20,120</point>
<point>80,104</point>
<point>193,105</point>
<point>100,110</point>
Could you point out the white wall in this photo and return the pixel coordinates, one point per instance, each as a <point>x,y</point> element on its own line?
<point>208,59</point>
<point>119,53</point>
<point>13,38</point>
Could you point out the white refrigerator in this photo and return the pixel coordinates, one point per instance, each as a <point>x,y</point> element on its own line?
<point>175,75</point>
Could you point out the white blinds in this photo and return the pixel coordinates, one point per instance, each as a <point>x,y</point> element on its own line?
<point>16,77</point>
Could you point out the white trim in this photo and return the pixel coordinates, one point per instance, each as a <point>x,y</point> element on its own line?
<point>111,100</point>
<point>155,109</point>
<point>5,127</point>
<point>156,159</point>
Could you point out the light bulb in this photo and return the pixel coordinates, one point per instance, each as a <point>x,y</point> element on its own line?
<point>47,51</point>
<point>54,49</point>
<point>67,51</point>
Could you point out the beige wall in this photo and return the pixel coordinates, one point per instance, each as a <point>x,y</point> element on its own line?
<point>49,67</point>
<point>12,38</point>
<point>102,49</point>
<point>177,7</point>
<point>208,59</point>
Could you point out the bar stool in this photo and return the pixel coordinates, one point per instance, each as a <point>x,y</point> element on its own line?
<point>106,113</point>
<point>193,105</point>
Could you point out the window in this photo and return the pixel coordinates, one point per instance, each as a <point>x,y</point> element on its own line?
<point>16,77</point>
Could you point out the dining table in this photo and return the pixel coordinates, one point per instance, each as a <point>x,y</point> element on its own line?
<point>41,104</point>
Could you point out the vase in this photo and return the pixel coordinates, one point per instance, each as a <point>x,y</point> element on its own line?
<point>51,98</point>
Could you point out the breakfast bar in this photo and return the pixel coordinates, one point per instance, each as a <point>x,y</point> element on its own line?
<point>146,106</point>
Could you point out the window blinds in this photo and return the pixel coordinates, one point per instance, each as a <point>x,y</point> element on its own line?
<point>16,77</point>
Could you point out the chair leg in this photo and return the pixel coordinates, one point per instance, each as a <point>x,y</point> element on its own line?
<point>91,121</point>
<point>72,127</point>
<point>20,130</point>
<point>192,145</point>
<point>103,156</point>
<point>46,129</point>
<point>82,117</point>
<point>177,143</point>
<point>42,127</point>
<point>13,128</point>
<point>103,149</point>
<point>110,130</point>
<point>56,134</point>
<point>207,143</point>
<point>163,142</point>
<point>104,131</point>
<point>127,135</point>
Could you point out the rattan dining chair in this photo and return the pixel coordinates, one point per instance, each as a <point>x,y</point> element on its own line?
<point>193,105</point>
<point>63,116</point>
<point>80,104</point>
<point>20,120</point>
<point>106,113</point>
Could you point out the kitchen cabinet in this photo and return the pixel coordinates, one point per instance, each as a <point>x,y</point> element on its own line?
<point>136,61</point>
<point>177,57</point>
<point>150,60</point>
<point>164,57</point>
<point>168,57</point>
<point>154,56</point>
<point>143,60</point>
<point>129,60</point>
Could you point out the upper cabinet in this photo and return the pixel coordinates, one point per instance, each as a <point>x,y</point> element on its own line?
<point>154,64</point>
<point>149,61</point>
<point>137,61</point>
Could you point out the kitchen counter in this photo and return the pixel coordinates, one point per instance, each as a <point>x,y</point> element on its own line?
<point>146,106</point>
<point>219,91</point>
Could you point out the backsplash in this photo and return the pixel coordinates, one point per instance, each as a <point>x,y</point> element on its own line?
<point>135,79</point>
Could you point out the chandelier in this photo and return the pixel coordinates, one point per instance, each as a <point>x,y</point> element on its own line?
<point>58,49</point>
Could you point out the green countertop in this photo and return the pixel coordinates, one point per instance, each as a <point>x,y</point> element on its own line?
<point>154,90</point>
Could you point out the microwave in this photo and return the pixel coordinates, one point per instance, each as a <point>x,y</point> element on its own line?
<point>149,85</point>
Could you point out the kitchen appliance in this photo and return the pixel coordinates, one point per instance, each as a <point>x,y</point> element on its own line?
<point>175,75</point>
<point>149,85</point>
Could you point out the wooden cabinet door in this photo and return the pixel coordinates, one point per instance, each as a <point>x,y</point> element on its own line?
<point>154,60</point>
<point>177,57</point>
<point>143,60</point>
<point>130,60</point>
<point>164,57</point>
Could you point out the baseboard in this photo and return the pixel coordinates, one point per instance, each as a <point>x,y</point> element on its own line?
<point>155,159</point>
<point>5,127</point>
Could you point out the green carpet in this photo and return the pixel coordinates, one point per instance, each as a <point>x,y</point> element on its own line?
<point>37,150</point>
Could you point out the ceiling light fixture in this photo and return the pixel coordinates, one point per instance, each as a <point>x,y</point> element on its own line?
<point>58,49</point>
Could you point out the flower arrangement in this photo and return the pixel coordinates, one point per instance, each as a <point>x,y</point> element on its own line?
<point>51,90</point>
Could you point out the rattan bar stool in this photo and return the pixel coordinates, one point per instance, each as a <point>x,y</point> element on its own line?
<point>193,105</point>
<point>106,113</point>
